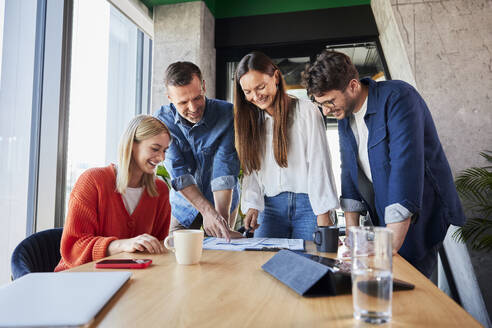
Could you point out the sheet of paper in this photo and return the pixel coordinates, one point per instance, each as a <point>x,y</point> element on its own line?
<point>252,243</point>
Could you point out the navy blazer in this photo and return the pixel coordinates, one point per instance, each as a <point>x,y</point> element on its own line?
<point>408,165</point>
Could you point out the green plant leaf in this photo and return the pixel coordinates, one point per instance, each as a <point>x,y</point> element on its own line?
<point>484,243</point>
<point>474,184</point>
<point>162,172</point>
<point>477,231</point>
<point>486,156</point>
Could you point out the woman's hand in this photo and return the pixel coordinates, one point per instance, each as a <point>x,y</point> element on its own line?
<point>142,243</point>
<point>251,219</point>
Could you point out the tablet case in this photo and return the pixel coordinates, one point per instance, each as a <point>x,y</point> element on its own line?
<point>311,275</point>
<point>307,277</point>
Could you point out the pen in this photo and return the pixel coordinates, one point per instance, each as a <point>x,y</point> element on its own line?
<point>268,249</point>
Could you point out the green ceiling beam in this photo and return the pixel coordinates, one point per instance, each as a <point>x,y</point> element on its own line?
<point>236,8</point>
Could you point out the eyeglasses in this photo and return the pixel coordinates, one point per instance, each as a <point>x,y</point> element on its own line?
<point>329,104</point>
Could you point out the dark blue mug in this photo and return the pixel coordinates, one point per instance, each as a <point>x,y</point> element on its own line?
<point>326,239</point>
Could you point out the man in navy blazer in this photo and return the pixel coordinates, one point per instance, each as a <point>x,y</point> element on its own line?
<point>393,164</point>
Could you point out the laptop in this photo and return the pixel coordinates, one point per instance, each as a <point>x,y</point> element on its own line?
<point>57,299</point>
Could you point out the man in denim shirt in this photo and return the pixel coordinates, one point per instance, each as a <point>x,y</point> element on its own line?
<point>201,158</point>
<point>393,164</point>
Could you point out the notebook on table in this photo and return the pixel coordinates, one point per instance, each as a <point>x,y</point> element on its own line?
<point>57,299</point>
<point>253,244</point>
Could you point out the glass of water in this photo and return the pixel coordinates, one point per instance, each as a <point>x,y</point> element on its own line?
<point>372,273</point>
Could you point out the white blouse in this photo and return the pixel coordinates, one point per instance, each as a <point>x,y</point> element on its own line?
<point>131,198</point>
<point>309,164</point>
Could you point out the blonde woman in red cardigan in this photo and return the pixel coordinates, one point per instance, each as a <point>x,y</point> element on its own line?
<point>122,208</point>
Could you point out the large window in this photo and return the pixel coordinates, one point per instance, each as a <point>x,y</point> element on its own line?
<point>109,76</point>
<point>17,58</point>
<point>109,84</point>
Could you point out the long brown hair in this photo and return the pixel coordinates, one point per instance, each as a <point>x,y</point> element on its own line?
<point>248,119</point>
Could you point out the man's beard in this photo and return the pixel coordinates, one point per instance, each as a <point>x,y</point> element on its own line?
<point>350,106</point>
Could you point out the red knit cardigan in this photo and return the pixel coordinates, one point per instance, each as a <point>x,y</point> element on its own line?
<point>97,216</point>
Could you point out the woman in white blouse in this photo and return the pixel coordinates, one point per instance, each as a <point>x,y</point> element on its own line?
<point>288,184</point>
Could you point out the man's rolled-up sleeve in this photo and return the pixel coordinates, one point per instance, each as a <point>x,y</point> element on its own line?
<point>352,205</point>
<point>395,213</point>
<point>182,182</point>
<point>223,183</point>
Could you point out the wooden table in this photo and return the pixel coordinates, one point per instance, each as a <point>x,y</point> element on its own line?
<point>229,289</point>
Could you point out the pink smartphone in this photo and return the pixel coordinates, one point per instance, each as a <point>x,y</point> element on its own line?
<point>123,264</point>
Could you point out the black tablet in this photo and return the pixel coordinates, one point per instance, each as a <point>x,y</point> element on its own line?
<point>343,267</point>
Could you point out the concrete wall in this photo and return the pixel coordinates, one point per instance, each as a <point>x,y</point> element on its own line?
<point>392,42</point>
<point>182,32</point>
<point>448,48</point>
<point>449,44</point>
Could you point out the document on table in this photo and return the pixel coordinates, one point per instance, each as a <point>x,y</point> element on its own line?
<point>242,244</point>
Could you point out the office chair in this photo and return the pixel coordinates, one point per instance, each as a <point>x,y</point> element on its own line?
<point>39,252</point>
<point>456,277</point>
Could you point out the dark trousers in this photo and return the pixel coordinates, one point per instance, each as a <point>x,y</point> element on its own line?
<point>428,264</point>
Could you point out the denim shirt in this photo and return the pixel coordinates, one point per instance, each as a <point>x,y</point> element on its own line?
<point>203,154</point>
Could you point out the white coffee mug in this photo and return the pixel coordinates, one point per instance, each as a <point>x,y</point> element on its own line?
<point>187,245</point>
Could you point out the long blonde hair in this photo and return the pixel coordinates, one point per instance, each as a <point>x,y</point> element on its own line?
<point>140,128</point>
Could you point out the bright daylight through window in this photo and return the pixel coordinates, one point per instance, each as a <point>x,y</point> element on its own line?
<point>109,54</point>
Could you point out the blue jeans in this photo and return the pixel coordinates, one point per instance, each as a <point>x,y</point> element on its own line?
<point>287,215</point>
